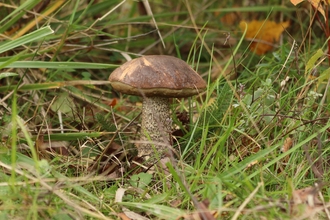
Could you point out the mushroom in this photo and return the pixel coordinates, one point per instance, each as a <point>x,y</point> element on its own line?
<point>156,78</point>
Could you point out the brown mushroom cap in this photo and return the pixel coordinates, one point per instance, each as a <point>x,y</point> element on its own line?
<point>157,75</point>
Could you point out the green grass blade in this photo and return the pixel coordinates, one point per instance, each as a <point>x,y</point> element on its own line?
<point>58,65</point>
<point>162,211</point>
<point>34,36</point>
<point>17,14</point>
<point>52,85</point>
<point>74,136</point>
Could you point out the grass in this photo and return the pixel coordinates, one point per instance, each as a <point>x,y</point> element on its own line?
<point>243,148</point>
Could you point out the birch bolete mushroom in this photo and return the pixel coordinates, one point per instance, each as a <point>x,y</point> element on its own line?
<point>156,78</point>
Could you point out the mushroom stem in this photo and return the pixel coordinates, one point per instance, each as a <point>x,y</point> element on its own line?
<point>156,127</point>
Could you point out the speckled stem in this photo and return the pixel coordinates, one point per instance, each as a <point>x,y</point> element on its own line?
<point>156,127</point>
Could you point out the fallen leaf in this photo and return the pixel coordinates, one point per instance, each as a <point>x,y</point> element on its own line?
<point>287,144</point>
<point>317,4</point>
<point>230,18</point>
<point>305,203</point>
<point>202,213</point>
<point>123,216</point>
<point>132,215</point>
<point>263,34</point>
<point>120,194</point>
<point>252,164</point>
<point>112,103</point>
<point>296,2</point>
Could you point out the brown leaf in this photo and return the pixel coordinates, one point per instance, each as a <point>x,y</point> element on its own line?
<point>305,202</point>
<point>112,103</point>
<point>202,213</point>
<point>123,216</point>
<point>287,146</point>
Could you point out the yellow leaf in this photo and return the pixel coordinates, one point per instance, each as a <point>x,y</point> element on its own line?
<point>264,34</point>
<point>296,2</point>
<point>317,4</point>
